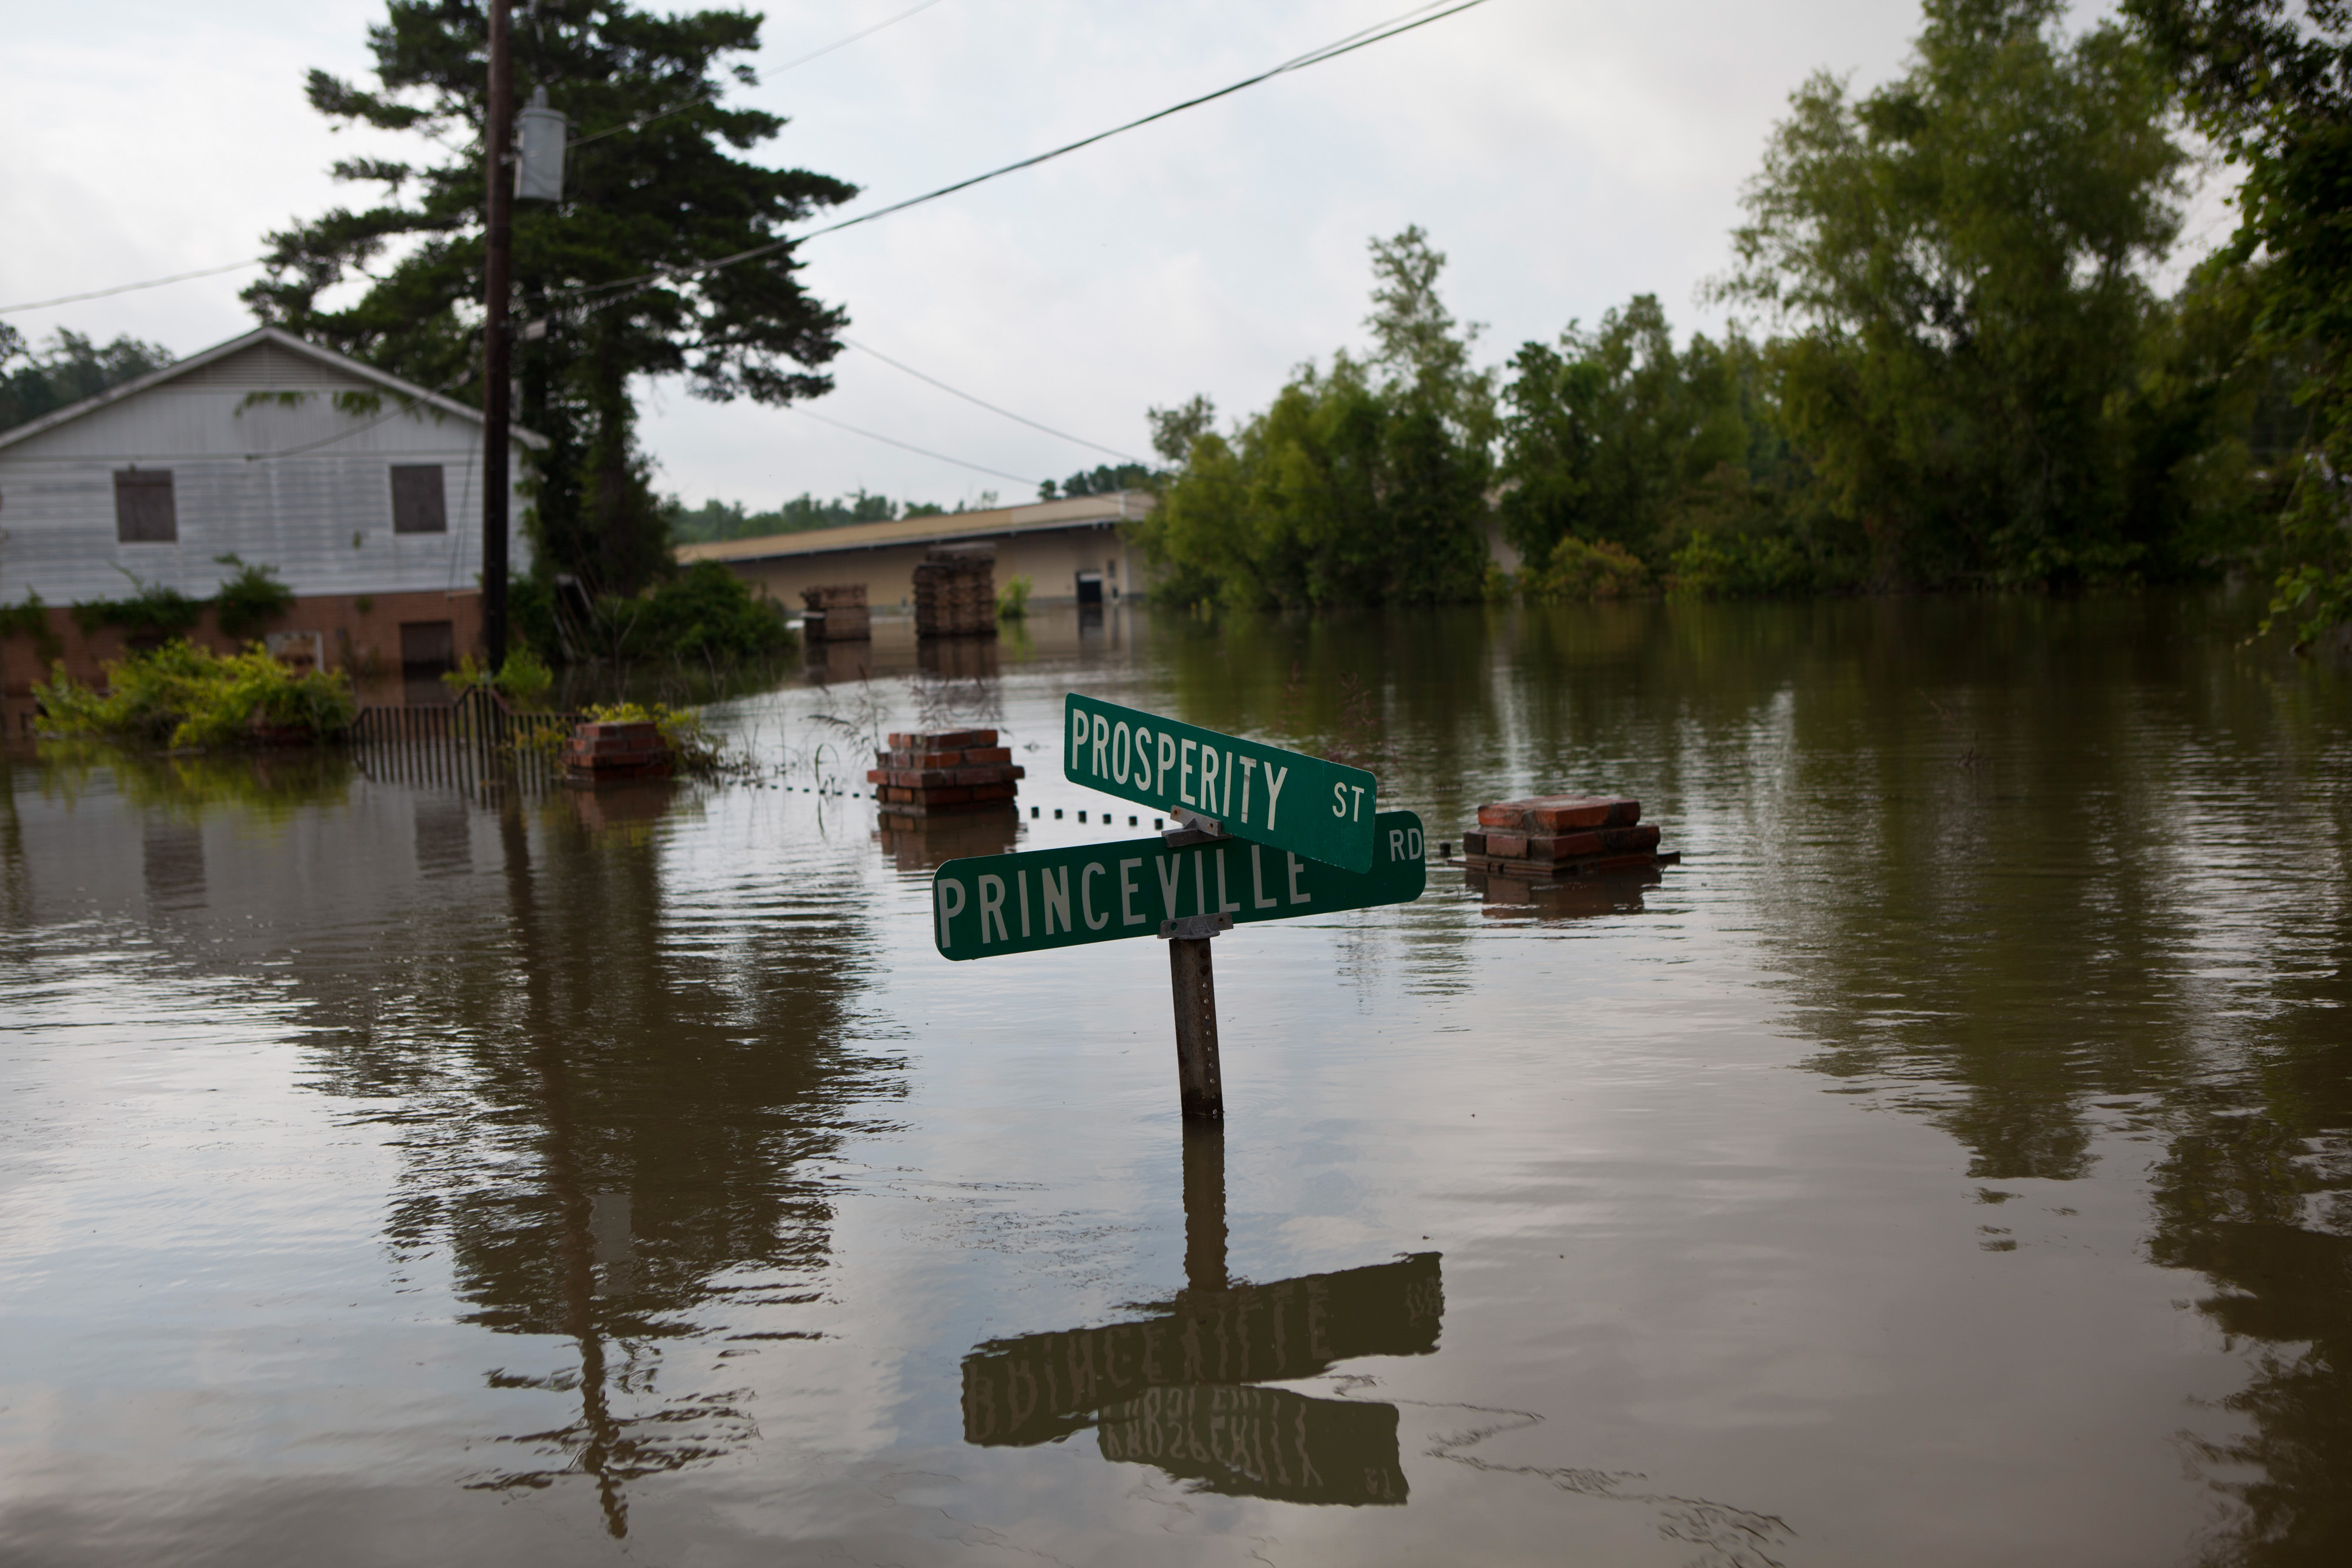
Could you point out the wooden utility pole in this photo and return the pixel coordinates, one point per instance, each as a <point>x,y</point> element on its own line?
<point>498,137</point>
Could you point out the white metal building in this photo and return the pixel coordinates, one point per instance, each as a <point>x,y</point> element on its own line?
<point>354,485</point>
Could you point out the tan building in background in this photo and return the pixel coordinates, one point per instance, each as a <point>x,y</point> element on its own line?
<point>1072,551</point>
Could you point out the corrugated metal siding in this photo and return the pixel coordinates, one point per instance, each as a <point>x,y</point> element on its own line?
<point>297,513</point>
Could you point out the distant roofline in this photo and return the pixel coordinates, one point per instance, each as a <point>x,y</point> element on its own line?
<point>1074,511</point>
<point>284,340</point>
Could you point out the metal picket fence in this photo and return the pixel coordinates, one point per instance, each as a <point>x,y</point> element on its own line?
<point>475,738</point>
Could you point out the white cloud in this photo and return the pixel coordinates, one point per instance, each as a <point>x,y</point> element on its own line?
<point>1566,153</point>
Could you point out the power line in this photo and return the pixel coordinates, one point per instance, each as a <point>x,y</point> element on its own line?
<point>643,121</point>
<point>621,288</point>
<point>979,402</point>
<point>921,450</point>
<point>127,287</point>
<point>1378,33</point>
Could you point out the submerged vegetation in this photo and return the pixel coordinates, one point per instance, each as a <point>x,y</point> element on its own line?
<point>1947,369</point>
<point>180,694</point>
<point>705,612</point>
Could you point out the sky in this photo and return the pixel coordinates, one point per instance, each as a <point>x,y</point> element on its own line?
<point>1565,154</point>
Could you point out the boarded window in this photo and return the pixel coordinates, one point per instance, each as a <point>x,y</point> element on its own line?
<point>429,644</point>
<point>143,512</point>
<point>419,505</point>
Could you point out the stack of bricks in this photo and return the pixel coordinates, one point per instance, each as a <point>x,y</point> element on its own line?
<point>938,775</point>
<point>603,750</point>
<point>955,594</point>
<point>1547,837</point>
<point>836,615</point>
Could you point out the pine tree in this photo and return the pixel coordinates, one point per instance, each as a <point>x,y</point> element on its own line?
<point>652,183</point>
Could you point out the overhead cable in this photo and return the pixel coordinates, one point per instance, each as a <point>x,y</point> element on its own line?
<point>594,296</point>
<point>127,287</point>
<point>978,402</point>
<point>920,451</point>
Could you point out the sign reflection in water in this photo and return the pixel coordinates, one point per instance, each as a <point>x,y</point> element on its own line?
<point>1174,1390</point>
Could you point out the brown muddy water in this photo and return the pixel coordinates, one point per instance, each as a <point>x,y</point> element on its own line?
<point>1948,1162</point>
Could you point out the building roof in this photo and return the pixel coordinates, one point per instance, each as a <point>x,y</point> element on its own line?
<point>274,359</point>
<point>1076,511</point>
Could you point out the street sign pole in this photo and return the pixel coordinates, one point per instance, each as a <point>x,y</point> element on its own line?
<point>1192,984</point>
<point>1185,885</point>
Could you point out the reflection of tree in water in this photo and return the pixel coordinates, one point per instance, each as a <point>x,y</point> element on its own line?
<point>2046,907</point>
<point>2256,1194</point>
<point>604,1120</point>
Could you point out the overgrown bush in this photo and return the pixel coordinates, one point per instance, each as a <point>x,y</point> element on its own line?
<point>693,749</point>
<point>154,610</point>
<point>1739,566</point>
<point>1600,568</point>
<point>182,694</point>
<point>703,613</point>
<point>246,603</point>
<point>523,679</point>
<point>1012,600</point>
<point>30,618</point>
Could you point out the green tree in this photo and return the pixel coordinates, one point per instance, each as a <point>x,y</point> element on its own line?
<point>2272,84</point>
<point>37,383</point>
<point>1961,255</point>
<point>1604,436</point>
<point>1173,430</point>
<point>653,184</point>
<point>1361,485</point>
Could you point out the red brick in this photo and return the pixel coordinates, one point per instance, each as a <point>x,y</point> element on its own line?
<point>1506,846</point>
<point>1503,814</point>
<point>977,756</point>
<point>1570,813</point>
<point>1474,843</point>
<point>1564,846</point>
<point>950,740</point>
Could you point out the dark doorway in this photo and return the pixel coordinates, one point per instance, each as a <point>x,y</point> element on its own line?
<point>427,647</point>
<point>1090,584</point>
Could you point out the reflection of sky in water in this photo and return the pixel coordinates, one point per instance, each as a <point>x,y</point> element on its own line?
<point>392,1172</point>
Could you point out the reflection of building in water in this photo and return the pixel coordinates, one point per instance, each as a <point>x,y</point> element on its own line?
<point>1174,1389</point>
<point>925,843</point>
<point>958,658</point>
<point>1572,898</point>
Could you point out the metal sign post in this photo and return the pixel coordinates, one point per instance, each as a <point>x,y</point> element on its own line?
<point>1236,788</point>
<point>1186,887</point>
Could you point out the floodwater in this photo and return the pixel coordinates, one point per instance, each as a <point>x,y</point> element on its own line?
<point>1948,1162</point>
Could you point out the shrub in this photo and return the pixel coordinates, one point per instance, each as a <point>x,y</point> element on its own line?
<point>1580,568</point>
<point>182,694</point>
<point>252,598</point>
<point>1012,600</point>
<point>523,679</point>
<point>1739,566</point>
<point>704,611</point>
<point>154,610</point>
<point>30,619</point>
<point>694,748</point>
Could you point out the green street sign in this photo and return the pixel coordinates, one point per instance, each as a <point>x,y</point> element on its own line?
<point>1286,800</point>
<point>993,904</point>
